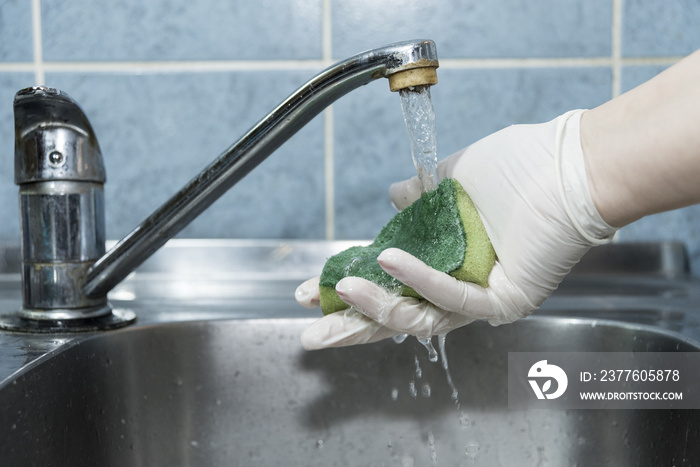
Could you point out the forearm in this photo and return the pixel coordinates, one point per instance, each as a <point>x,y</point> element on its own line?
<point>642,149</point>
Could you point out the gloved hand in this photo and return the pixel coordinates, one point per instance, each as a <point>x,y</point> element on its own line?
<point>530,186</point>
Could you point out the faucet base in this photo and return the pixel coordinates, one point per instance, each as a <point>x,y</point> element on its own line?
<point>67,314</point>
<point>118,318</point>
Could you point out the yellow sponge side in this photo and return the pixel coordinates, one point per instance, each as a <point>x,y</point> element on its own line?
<point>330,301</point>
<point>480,256</point>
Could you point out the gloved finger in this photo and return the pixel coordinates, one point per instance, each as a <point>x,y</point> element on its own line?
<point>502,302</point>
<point>404,193</point>
<point>402,314</point>
<point>307,294</point>
<point>439,288</point>
<point>343,328</point>
<point>446,167</point>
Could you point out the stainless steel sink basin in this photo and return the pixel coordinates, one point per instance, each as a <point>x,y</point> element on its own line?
<point>243,392</point>
<point>213,372</point>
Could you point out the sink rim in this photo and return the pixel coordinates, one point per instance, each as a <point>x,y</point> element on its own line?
<point>73,340</point>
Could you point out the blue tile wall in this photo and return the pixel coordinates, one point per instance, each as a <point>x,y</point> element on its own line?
<point>166,30</point>
<point>158,131</point>
<point>9,227</point>
<point>479,29</point>
<point>660,27</point>
<point>16,31</point>
<point>169,85</point>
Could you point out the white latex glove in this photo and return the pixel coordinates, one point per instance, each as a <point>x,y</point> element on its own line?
<point>529,184</point>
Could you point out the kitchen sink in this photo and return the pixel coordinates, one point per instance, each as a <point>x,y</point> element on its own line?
<point>242,392</point>
<point>212,373</point>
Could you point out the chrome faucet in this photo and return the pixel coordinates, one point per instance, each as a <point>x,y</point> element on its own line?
<point>66,273</point>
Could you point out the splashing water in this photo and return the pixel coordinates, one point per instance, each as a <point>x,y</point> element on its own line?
<point>446,367</point>
<point>412,389</point>
<point>472,450</point>
<point>419,115</point>
<point>419,370</point>
<point>428,344</point>
<point>433,448</point>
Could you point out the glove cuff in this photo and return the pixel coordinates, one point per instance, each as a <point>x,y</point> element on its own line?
<point>572,180</point>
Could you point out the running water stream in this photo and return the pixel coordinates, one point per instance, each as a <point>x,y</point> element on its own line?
<point>419,115</point>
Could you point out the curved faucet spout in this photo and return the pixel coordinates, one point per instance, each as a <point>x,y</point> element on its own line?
<point>253,147</point>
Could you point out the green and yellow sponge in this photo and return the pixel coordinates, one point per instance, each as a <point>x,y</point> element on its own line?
<point>442,228</point>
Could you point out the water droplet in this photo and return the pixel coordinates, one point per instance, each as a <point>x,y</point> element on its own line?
<point>428,344</point>
<point>445,365</point>
<point>319,444</point>
<point>394,394</point>
<point>400,338</point>
<point>472,450</point>
<point>425,390</point>
<point>419,370</point>
<point>412,389</point>
<point>194,444</point>
<point>433,449</point>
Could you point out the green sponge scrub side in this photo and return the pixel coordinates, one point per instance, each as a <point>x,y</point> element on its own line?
<point>442,228</point>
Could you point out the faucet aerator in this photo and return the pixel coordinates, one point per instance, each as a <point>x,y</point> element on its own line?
<point>423,76</point>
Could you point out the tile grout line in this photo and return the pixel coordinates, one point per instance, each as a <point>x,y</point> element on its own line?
<point>10,67</point>
<point>38,65</point>
<point>329,168</point>
<point>326,38</point>
<point>176,66</point>
<point>563,62</point>
<point>559,62</point>
<point>616,48</point>
<point>328,131</point>
<point>276,65</point>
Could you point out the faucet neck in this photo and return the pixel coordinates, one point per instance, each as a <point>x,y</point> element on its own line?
<point>250,150</point>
